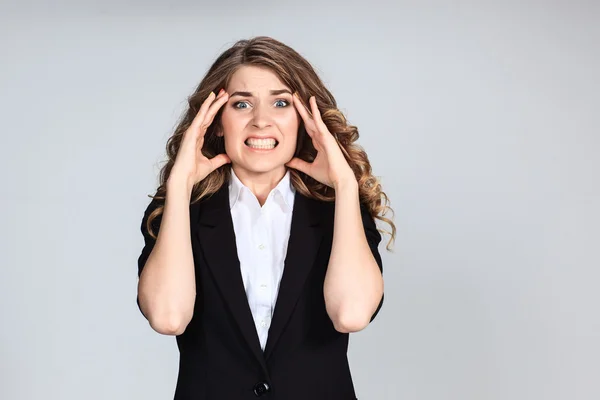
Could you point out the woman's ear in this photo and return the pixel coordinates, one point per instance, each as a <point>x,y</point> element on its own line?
<point>219,130</point>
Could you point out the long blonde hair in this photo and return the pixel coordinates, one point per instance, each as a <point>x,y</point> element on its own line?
<point>299,75</point>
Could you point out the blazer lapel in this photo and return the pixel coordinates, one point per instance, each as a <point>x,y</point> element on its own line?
<point>217,238</point>
<point>305,239</point>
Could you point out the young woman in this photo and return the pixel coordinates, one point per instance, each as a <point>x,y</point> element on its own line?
<point>260,247</point>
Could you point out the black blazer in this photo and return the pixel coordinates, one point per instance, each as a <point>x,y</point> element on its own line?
<point>220,354</point>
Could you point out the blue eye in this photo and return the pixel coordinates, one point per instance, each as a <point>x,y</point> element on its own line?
<point>235,105</point>
<point>242,105</point>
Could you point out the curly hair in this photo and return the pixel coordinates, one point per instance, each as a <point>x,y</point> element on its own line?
<point>296,72</point>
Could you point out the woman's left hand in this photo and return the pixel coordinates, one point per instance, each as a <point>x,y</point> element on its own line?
<point>329,166</point>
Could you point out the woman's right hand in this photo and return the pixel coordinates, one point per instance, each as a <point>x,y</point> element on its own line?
<point>191,166</point>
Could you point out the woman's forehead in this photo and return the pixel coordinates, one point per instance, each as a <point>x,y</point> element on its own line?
<point>256,80</point>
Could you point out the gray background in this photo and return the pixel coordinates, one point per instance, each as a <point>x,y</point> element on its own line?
<point>482,120</point>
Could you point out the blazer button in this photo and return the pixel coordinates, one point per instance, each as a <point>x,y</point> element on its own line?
<point>261,388</point>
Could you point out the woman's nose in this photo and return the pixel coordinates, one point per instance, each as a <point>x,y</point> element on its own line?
<point>261,117</point>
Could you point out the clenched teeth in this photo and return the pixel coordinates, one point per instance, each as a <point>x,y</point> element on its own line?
<point>261,143</point>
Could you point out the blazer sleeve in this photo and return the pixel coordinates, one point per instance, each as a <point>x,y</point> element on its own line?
<point>373,238</point>
<point>149,241</point>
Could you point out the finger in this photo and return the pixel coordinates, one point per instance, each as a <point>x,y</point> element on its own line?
<point>219,160</point>
<point>212,111</point>
<point>202,112</point>
<point>209,117</point>
<point>300,165</point>
<point>303,111</point>
<point>317,116</point>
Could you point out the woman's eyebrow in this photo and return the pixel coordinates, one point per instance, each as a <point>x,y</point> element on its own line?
<point>250,94</point>
<point>280,91</point>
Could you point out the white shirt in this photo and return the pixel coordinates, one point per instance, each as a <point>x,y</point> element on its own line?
<point>261,235</point>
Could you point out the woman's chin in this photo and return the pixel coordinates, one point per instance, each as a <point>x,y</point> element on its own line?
<point>259,166</point>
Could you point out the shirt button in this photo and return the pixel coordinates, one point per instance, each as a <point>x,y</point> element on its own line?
<point>261,388</point>
<point>263,323</point>
<point>261,246</point>
<point>263,286</point>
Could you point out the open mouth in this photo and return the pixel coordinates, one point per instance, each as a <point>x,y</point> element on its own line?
<point>261,144</point>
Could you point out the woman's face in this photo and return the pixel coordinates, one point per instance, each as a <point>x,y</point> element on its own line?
<point>260,123</point>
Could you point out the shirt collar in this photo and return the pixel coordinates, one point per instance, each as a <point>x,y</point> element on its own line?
<point>284,187</point>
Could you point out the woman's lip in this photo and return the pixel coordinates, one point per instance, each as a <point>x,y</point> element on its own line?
<point>260,150</point>
<point>259,138</point>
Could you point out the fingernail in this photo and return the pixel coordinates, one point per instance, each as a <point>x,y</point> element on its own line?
<point>221,91</point>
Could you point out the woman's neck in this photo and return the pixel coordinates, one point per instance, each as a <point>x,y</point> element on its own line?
<point>260,183</point>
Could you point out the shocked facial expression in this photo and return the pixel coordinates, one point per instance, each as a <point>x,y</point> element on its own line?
<point>260,123</point>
